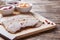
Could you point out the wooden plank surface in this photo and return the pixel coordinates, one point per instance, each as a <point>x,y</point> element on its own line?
<point>51,10</point>
<point>44,27</point>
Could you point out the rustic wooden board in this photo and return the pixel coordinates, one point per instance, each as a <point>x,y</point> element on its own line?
<point>28,32</point>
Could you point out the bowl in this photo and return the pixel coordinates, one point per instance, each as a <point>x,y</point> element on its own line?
<point>24,7</point>
<point>13,3</point>
<point>7,9</point>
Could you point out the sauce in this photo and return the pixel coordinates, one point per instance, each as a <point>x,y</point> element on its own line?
<point>23,5</point>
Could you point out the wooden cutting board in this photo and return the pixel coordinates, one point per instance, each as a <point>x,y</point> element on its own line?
<point>31,31</point>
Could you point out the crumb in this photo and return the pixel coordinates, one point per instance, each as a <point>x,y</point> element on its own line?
<point>23,19</point>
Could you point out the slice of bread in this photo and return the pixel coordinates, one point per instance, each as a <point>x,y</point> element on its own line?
<point>15,23</point>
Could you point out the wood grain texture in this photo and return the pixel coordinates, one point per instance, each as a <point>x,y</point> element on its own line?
<point>51,10</point>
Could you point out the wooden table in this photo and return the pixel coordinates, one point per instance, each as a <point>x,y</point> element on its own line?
<point>51,10</point>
